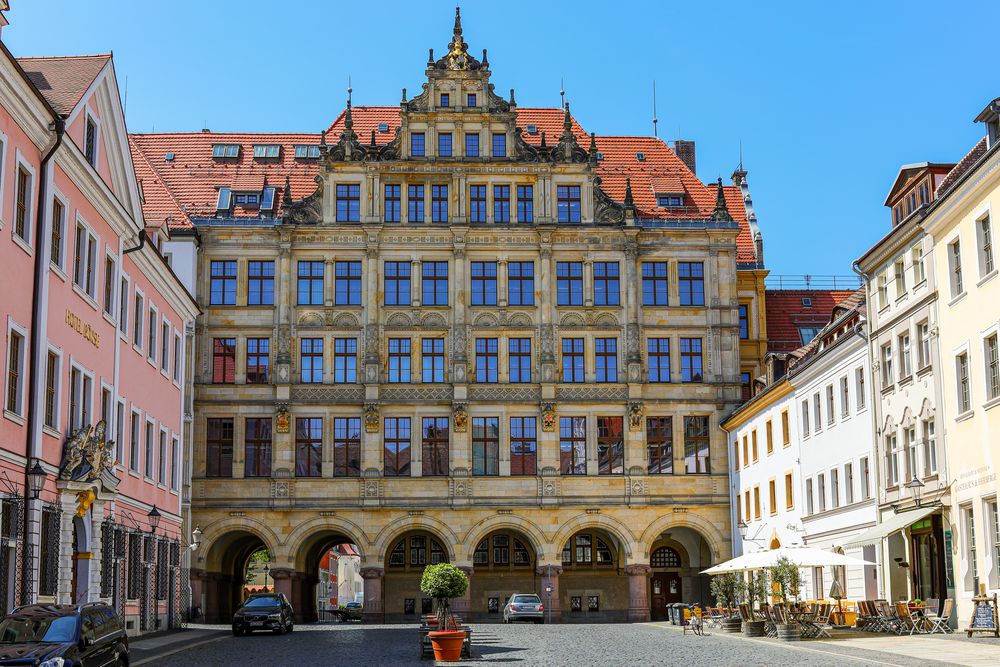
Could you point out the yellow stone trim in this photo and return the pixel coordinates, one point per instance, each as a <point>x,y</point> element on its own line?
<point>769,398</point>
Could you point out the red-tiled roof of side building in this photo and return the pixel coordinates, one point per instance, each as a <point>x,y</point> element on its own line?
<point>963,166</point>
<point>63,80</point>
<point>786,311</point>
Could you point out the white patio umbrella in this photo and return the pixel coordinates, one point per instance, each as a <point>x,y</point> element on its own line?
<point>801,556</point>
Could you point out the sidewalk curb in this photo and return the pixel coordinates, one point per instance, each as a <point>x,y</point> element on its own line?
<point>172,651</point>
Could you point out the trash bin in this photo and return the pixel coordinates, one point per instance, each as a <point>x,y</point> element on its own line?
<point>672,613</point>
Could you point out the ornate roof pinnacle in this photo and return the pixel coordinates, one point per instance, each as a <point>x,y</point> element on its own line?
<point>288,192</point>
<point>721,211</point>
<point>567,123</point>
<point>629,201</point>
<point>458,21</point>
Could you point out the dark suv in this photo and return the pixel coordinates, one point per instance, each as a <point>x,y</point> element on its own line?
<point>263,611</point>
<point>57,635</point>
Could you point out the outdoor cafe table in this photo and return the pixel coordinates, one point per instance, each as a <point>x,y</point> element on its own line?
<point>805,620</point>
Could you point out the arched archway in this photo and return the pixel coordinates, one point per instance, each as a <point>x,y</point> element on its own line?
<point>503,563</point>
<point>591,587</point>
<point>677,556</point>
<point>222,587</point>
<point>327,568</point>
<point>406,556</point>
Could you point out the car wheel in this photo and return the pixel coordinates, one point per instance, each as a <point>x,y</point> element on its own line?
<point>291,626</point>
<point>539,621</point>
<point>237,632</point>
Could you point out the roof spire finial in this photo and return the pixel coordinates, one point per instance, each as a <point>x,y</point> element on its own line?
<point>721,211</point>
<point>629,201</point>
<point>458,22</point>
<point>567,121</point>
<point>348,119</point>
<point>562,92</point>
<point>592,151</point>
<point>287,199</point>
<point>654,109</point>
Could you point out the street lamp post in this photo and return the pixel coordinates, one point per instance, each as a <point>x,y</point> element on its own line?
<point>267,570</point>
<point>916,488</point>
<point>548,602</point>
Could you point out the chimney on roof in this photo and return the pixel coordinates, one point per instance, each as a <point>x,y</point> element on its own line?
<point>206,130</point>
<point>685,151</point>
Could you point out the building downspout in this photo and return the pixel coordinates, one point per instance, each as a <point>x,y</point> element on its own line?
<point>32,507</point>
<point>883,582</point>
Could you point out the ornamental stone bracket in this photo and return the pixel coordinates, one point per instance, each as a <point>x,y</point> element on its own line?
<point>460,487</point>
<point>372,488</point>
<point>635,487</point>
<point>282,490</point>
<point>549,487</point>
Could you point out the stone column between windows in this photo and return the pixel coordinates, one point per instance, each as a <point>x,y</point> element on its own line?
<point>283,288</point>
<point>328,282</point>
<point>64,583</point>
<point>591,444</point>
<point>96,519</point>
<point>417,282</point>
<point>461,447</point>
<point>635,444</point>
<point>678,437</point>
<point>588,282</point>
<point>240,361</point>
<point>502,295</point>
<point>239,445</point>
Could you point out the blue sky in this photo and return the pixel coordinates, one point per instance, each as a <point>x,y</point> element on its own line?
<point>828,99</point>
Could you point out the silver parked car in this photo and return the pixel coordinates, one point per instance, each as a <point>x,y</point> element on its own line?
<point>524,607</point>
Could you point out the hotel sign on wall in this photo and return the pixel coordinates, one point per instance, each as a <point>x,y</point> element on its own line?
<point>82,328</point>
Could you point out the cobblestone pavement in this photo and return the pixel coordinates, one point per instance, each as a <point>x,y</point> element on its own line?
<point>545,645</point>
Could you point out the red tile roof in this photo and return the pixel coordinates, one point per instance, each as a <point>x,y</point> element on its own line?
<point>63,80</point>
<point>963,166</point>
<point>785,313</point>
<point>193,177</point>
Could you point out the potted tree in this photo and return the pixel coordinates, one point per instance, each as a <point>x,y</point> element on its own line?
<point>786,578</point>
<point>727,589</point>
<point>443,582</point>
<point>756,593</point>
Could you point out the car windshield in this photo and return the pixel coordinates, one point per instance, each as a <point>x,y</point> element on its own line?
<point>262,602</point>
<point>526,599</point>
<point>49,629</point>
<point>354,605</point>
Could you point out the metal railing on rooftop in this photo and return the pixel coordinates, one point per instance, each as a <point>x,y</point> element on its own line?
<point>812,282</point>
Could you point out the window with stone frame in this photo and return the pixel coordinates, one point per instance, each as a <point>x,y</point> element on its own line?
<point>477,203</point>
<point>391,202</point>
<point>310,283</point>
<point>504,550</point>
<point>434,283</point>
<point>660,445</point>
<point>223,360</point>
<point>345,360</point>
<point>485,445</point>
<point>260,283</point>
<point>519,360</point>
<point>487,360</point>
<point>569,283</point>
<point>521,283</point>
<point>523,446</point>
<point>434,447</point>
<point>439,203</point>
<point>347,283</point>
<point>432,359</point>
<point>606,359</point>
<point>501,203</point>
<point>587,549</point>
<point>308,446</point>
<point>691,360</point>
<point>397,283</point>
<point>568,203</point>
<point>573,445</point>
<point>654,283</point>
<point>606,284</point>
<point>257,445</point>
<point>347,447</point>
<point>484,283</point>
<point>696,445</point>
<point>258,360</point>
<point>691,283</point>
<point>399,360</point>
<point>658,359</point>
<point>396,447</point>
<point>348,202</point>
<point>415,203</point>
<point>311,360</point>
<point>416,551</point>
<point>218,446</point>
<point>572,360</point>
<point>222,288</point>
<point>610,446</point>
<point>665,557</point>
<point>525,203</point>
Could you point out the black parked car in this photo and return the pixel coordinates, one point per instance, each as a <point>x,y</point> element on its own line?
<point>263,611</point>
<point>50,635</point>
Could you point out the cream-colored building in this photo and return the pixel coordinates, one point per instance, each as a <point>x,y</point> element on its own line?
<point>963,225</point>
<point>459,330</point>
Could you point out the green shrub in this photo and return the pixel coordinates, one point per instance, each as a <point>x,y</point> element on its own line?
<point>443,582</point>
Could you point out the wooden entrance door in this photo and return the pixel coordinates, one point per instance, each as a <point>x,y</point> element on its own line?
<point>665,588</point>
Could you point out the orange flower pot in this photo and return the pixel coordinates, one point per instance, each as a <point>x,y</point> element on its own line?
<point>447,644</point>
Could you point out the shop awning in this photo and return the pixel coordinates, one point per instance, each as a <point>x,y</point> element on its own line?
<point>886,528</point>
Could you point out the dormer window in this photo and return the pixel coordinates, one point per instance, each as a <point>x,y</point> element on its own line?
<point>807,302</point>
<point>669,200</point>
<point>306,152</point>
<point>250,199</point>
<point>383,128</point>
<point>266,151</point>
<point>445,100</point>
<point>470,100</point>
<point>267,200</point>
<point>225,201</point>
<point>225,151</point>
<point>531,129</point>
<point>90,141</point>
<point>641,157</point>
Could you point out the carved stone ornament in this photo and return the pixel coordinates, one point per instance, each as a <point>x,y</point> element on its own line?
<point>461,414</point>
<point>548,417</point>
<point>371,417</point>
<point>282,422</point>
<point>635,410</point>
<point>305,211</point>
<point>86,454</point>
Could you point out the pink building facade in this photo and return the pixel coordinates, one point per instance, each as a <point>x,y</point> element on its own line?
<point>95,331</point>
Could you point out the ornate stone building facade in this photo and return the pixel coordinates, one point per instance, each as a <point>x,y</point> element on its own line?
<point>456,330</point>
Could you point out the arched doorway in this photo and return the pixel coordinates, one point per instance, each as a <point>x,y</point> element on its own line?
<point>328,565</point>
<point>665,581</point>
<point>677,557</point>
<point>503,564</point>
<point>591,587</point>
<point>405,561</point>
<point>226,577</point>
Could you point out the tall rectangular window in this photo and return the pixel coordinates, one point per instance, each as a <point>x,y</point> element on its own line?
<point>499,144</point>
<point>109,285</point>
<point>573,445</point>
<point>992,367</point>
<point>810,502</point>
<point>829,404</point>
<point>501,203</point>
<point>484,283</point>
<point>970,544</point>
<point>821,492</point>
<point>848,483</point>
<point>789,494</point>
<point>397,283</point>
<point>769,436</point>
<point>347,283</point>
<point>15,373</point>
<point>606,284</point>
<point>658,359</point>
<point>691,283</point>
<point>217,430</point>
<point>606,359</point>
<point>391,202</point>
<point>123,307</point>
<point>955,267</point>
<point>347,447</point>
<point>396,448</point>
<point>415,203</point>
<point>477,203</point>
<point>691,360</point>
<point>654,283</point>
<point>434,446</point>
<point>786,435</point>
<point>164,346</point>
<point>175,464</point>
<point>924,345</point>
<point>984,241</point>
<point>610,446</point>
<point>845,406</point>
<point>434,283</point>
<point>417,144</point>
<point>523,446</point>
<point>485,445</point>
<point>834,488</point>
<point>223,279</point>
<point>90,142</point>
<point>310,283</point>
<point>257,444</point>
<point>345,360</point>
<point>568,203</point>
<point>348,202</point>
<point>258,360</point>
<point>859,388</point>
<point>696,445</point>
<point>432,359</point>
<point>260,283</point>
<point>519,359</point>
<point>866,479</point>
<point>917,261</point>
<point>151,344</point>
<point>572,360</point>
<point>149,450</point>
<point>218,447</point>
<point>22,205</point>
<point>962,379</point>
<point>308,446</point>
<point>138,312</point>
<point>660,445</point>
<point>471,144</point>
<point>930,448</point>
<point>487,360</point>
<point>399,360</point>
<point>899,273</point>
<point>887,377</point>
<point>905,365</point>
<point>744,321</point>
<point>311,360</point>
<point>569,283</point>
<point>177,357</point>
<point>223,360</point>
<point>51,391</point>
<point>817,414</point>
<point>891,461</point>
<point>525,203</point>
<point>439,203</point>
<point>521,283</point>
<point>444,144</point>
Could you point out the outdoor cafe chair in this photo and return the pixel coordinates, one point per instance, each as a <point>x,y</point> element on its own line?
<point>868,619</point>
<point>822,620</point>
<point>715,617</point>
<point>939,622</point>
<point>770,627</point>
<point>887,618</point>
<point>745,613</point>
<point>907,622</point>
<point>932,606</point>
